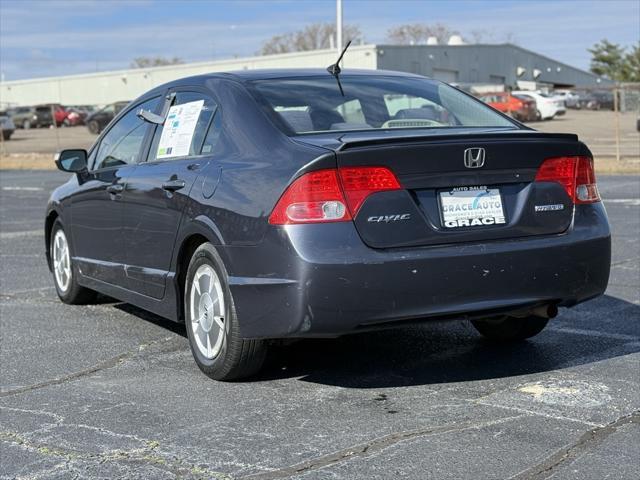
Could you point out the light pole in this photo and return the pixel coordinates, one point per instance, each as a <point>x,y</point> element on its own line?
<point>339,25</point>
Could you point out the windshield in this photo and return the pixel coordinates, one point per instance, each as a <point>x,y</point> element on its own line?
<point>315,104</point>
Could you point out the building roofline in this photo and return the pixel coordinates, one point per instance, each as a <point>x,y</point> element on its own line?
<point>493,45</point>
<point>285,56</point>
<point>204,63</point>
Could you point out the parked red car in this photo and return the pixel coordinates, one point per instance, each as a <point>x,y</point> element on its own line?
<point>520,108</point>
<point>74,117</point>
<point>59,113</point>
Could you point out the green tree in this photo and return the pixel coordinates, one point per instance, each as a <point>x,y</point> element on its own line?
<point>608,60</point>
<point>631,66</point>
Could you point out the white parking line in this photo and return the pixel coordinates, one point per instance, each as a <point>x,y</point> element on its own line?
<point>634,202</point>
<point>22,189</point>
<point>26,233</point>
<point>596,333</point>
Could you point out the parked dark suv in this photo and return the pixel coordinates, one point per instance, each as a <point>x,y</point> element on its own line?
<point>100,119</point>
<point>597,101</point>
<point>32,117</point>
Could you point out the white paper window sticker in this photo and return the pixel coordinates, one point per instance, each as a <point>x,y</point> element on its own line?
<point>179,128</point>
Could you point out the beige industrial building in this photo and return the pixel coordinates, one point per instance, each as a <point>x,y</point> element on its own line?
<point>496,64</point>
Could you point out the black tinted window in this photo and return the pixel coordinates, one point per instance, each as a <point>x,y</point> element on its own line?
<point>122,143</point>
<point>211,140</point>
<point>315,104</point>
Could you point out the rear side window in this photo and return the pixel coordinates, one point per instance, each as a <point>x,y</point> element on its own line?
<point>316,104</point>
<point>178,142</point>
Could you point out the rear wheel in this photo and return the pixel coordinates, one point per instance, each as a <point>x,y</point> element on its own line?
<point>538,115</point>
<point>6,135</point>
<point>510,329</point>
<point>64,276</point>
<point>212,323</point>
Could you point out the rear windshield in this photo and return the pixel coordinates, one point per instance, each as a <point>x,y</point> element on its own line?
<point>315,104</point>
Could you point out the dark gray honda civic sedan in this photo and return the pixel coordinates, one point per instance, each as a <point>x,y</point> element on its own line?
<point>263,205</point>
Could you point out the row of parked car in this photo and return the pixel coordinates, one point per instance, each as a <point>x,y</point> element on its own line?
<point>529,106</point>
<point>46,115</point>
<point>39,116</point>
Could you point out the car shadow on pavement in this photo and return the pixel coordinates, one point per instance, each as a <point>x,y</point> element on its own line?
<point>447,352</point>
<point>437,352</point>
<point>174,327</point>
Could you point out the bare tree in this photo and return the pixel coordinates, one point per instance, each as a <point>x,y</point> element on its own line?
<point>313,37</point>
<point>490,36</point>
<point>418,33</point>
<point>146,62</point>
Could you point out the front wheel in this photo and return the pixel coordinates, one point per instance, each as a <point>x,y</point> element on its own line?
<point>94,127</point>
<point>64,276</point>
<point>510,329</point>
<point>212,323</point>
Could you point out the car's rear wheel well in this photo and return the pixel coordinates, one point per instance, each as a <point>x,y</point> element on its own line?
<point>188,247</point>
<point>48,226</point>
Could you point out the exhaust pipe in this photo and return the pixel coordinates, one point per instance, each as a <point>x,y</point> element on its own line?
<point>545,311</point>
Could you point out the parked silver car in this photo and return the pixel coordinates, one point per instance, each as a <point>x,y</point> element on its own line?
<point>6,125</point>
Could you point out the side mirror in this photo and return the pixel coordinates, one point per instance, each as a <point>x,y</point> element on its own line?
<point>74,161</point>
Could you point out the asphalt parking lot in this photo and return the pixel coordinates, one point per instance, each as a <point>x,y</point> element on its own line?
<point>109,391</point>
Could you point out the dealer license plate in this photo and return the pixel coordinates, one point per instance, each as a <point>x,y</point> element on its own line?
<point>471,207</point>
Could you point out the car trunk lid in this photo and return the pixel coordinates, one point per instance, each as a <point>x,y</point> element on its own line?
<point>448,195</point>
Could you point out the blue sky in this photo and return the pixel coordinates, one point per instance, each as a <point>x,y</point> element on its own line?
<point>50,37</point>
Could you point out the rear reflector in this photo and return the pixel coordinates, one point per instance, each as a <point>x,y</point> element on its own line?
<point>331,195</point>
<point>575,174</point>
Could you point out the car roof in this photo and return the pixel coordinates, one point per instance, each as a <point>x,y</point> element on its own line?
<point>272,73</point>
<point>275,73</point>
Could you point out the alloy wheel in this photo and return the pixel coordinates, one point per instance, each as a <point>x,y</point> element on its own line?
<point>61,261</point>
<point>207,311</point>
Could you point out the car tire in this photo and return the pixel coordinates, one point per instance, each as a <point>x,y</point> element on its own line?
<point>510,329</point>
<point>26,125</point>
<point>212,324</point>
<point>6,135</point>
<point>94,127</point>
<point>538,115</point>
<point>64,272</point>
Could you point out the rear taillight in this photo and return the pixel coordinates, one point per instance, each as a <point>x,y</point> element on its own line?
<point>586,188</point>
<point>575,174</point>
<point>331,195</point>
<point>360,182</point>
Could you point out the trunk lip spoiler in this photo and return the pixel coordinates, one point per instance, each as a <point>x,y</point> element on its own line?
<point>491,136</point>
<point>354,140</point>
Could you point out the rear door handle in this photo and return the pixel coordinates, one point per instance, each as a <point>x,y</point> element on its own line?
<point>173,185</point>
<point>115,188</point>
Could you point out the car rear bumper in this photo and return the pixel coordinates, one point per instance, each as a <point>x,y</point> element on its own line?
<point>321,280</point>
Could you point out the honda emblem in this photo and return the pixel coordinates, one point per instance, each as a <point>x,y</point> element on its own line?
<point>474,157</point>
